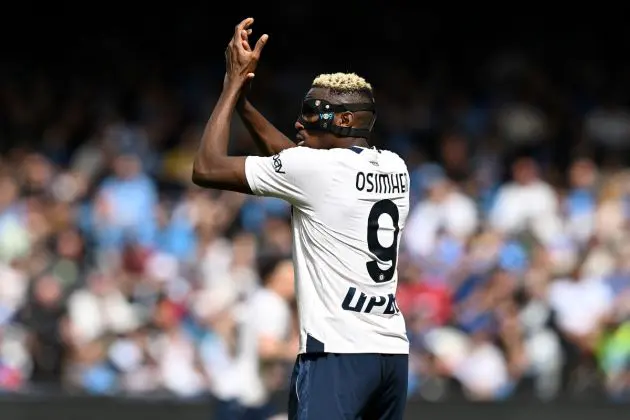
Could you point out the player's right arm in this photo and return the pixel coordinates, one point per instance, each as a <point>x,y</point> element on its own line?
<point>268,138</point>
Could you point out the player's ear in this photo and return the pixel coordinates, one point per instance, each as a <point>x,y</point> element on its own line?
<point>346,119</point>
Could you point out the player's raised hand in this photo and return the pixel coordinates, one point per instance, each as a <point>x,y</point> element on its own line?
<point>241,60</point>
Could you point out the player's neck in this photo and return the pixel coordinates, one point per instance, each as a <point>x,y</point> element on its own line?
<point>347,142</point>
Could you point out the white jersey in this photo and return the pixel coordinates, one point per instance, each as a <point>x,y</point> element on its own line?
<point>349,207</point>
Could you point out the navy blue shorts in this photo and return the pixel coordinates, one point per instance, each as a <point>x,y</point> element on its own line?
<point>329,386</point>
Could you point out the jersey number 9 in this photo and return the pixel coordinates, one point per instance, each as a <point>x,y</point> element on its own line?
<point>385,254</point>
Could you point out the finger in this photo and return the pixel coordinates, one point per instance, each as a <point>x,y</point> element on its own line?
<point>245,41</point>
<point>248,22</point>
<point>245,23</point>
<point>260,44</point>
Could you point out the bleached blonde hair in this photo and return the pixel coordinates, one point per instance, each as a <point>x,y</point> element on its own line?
<point>342,83</point>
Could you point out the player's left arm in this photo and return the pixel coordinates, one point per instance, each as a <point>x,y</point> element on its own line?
<point>212,167</point>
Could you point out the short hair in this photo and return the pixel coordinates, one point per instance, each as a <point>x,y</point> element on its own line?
<point>343,83</point>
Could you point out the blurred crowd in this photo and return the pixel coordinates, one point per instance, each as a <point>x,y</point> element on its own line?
<point>117,275</point>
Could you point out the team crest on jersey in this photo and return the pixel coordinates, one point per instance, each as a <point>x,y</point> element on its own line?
<point>277,164</point>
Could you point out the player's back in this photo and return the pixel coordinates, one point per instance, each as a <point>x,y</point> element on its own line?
<point>346,250</point>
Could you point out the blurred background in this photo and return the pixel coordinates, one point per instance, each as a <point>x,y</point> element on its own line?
<point>118,277</point>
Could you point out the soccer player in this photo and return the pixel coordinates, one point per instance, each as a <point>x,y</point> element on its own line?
<point>350,202</point>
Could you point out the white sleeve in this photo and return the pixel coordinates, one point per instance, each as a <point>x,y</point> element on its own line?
<point>420,229</point>
<point>463,220</point>
<point>504,214</point>
<point>271,319</point>
<point>288,175</point>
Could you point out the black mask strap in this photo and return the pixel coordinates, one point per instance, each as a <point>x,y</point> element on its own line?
<point>318,115</point>
<point>350,132</point>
